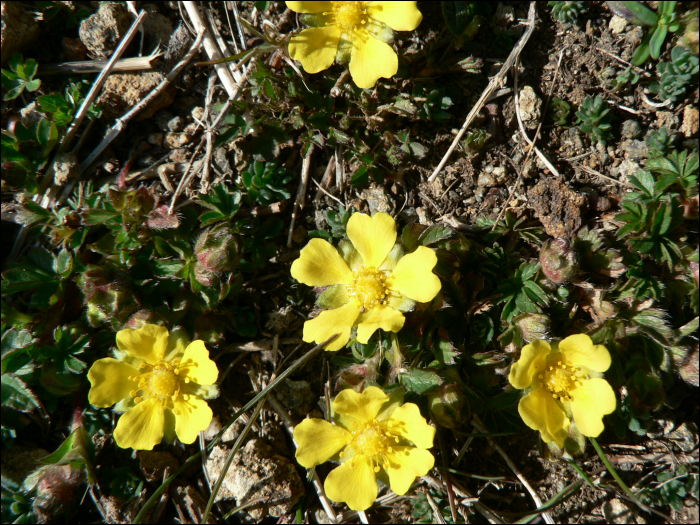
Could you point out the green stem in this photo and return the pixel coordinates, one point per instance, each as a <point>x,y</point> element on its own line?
<point>617,477</point>
<point>583,474</point>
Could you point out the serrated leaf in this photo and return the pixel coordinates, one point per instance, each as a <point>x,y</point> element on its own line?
<point>96,216</point>
<point>434,234</point>
<point>419,381</point>
<point>16,394</point>
<point>535,292</point>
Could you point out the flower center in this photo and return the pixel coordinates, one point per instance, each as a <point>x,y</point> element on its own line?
<point>369,288</point>
<point>349,15</point>
<point>373,440</point>
<point>561,379</point>
<point>161,381</point>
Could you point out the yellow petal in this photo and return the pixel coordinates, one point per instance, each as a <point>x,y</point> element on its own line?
<point>372,237</point>
<point>407,422</point>
<point>540,412</point>
<point>362,407</point>
<point>400,16</point>
<point>148,342</point>
<point>192,415</point>
<point>315,47</point>
<point>319,264</point>
<point>591,401</point>
<point>370,59</point>
<point>331,322</point>
<point>197,366</point>
<point>310,7</point>
<point>378,317</point>
<point>110,382</point>
<point>318,441</point>
<point>354,482</point>
<point>579,350</point>
<point>142,427</point>
<point>532,361</point>
<point>414,277</point>
<point>405,465</point>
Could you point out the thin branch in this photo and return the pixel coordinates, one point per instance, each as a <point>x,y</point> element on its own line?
<point>493,85</point>
<point>538,502</point>
<point>93,66</point>
<point>301,193</point>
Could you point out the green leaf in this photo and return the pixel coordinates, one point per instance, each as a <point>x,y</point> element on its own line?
<point>657,39</point>
<point>434,234</point>
<point>21,279</point>
<point>16,394</point>
<point>96,216</point>
<point>419,381</point>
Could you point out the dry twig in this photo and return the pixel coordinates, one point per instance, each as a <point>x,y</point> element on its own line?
<point>493,85</point>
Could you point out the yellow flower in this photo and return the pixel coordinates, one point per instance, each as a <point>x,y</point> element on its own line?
<point>374,437</point>
<point>565,382</point>
<point>160,384</point>
<point>370,285</point>
<point>355,30</point>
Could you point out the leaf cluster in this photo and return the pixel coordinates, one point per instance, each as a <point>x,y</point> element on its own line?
<point>677,75</point>
<point>594,118</point>
<point>19,77</point>
<point>661,22</point>
<point>567,12</point>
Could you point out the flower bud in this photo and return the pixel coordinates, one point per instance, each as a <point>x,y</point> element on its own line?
<point>56,487</point>
<point>106,295</point>
<point>446,405</point>
<point>559,261</point>
<point>533,326</point>
<point>218,249</point>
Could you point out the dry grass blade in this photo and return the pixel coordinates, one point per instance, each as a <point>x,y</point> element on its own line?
<point>494,84</point>
<point>538,502</point>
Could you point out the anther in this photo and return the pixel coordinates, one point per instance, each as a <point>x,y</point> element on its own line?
<point>133,393</point>
<point>376,469</point>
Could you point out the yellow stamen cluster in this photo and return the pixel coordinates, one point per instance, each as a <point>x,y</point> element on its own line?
<point>561,380</point>
<point>348,16</point>
<point>369,288</point>
<point>374,441</point>
<point>161,381</point>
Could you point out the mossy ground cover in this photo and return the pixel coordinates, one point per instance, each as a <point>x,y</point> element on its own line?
<point>192,217</point>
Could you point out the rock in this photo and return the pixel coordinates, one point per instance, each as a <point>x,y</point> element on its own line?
<point>625,169</point>
<point>634,150</point>
<point>153,464</point>
<point>530,107</point>
<point>689,128</point>
<point>631,129</point>
<point>559,208</point>
<point>19,29</point>
<point>102,31</point>
<point>256,472</point>
<point>73,49</point>
<point>65,166</point>
<point>377,200</point>
<point>615,511</point>
<point>176,124</point>
<point>485,180</point>
<point>296,396</point>
<point>123,91</point>
<point>176,140</point>
<point>684,438</point>
<point>157,27</point>
<point>667,119</point>
<point>30,115</point>
<point>617,25</point>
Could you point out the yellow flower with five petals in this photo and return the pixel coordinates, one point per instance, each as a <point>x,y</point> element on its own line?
<point>159,382</point>
<point>370,281</point>
<point>565,382</point>
<point>374,437</point>
<point>353,31</point>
